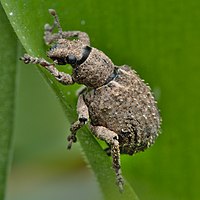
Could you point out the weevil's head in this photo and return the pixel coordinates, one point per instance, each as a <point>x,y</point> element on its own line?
<point>91,67</point>
<point>70,52</point>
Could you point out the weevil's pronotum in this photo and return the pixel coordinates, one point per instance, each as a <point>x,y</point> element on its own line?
<point>118,105</point>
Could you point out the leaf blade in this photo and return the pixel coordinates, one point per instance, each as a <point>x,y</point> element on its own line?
<point>26,34</point>
<point>8,52</point>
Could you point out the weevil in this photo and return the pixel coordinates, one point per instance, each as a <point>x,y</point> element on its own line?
<point>118,105</point>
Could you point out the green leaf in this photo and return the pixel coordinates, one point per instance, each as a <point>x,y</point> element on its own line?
<point>28,19</point>
<point>8,68</point>
<point>160,39</point>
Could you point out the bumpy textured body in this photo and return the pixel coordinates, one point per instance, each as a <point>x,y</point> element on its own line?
<point>126,106</point>
<point>118,104</point>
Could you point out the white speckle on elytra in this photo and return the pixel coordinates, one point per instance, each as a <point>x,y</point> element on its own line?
<point>11,13</point>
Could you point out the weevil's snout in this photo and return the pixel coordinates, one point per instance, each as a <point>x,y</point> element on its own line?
<point>69,59</point>
<point>66,51</point>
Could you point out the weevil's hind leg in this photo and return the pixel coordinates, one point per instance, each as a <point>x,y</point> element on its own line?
<point>83,117</point>
<point>50,37</point>
<point>112,139</point>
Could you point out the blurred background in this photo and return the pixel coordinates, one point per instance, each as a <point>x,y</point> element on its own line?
<point>161,41</point>
<point>43,168</point>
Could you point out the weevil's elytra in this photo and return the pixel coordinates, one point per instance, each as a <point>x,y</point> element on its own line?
<point>118,104</point>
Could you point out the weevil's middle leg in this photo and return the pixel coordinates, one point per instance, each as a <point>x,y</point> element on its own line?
<point>83,117</point>
<point>62,77</point>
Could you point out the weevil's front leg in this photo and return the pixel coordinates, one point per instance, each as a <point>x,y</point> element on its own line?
<point>77,34</point>
<point>111,138</point>
<point>49,37</point>
<point>83,117</point>
<point>62,77</point>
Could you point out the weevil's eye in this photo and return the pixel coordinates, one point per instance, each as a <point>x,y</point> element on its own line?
<point>71,59</point>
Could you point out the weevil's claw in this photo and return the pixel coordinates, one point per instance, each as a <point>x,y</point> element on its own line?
<point>69,146</point>
<point>121,189</point>
<point>26,58</point>
<point>120,182</point>
<point>52,12</point>
<point>71,139</point>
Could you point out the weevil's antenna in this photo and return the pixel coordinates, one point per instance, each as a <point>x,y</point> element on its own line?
<point>56,21</point>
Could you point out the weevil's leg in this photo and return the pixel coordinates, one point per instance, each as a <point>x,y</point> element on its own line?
<point>62,77</point>
<point>83,117</point>
<point>112,139</point>
<point>79,35</point>
<point>49,37</point>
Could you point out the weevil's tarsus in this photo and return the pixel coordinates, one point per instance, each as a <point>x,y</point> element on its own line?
<point>83,117</point>
<point>71,139</point>
<point>51,37</point>
<point>52,12</point>
<point>56,21</point>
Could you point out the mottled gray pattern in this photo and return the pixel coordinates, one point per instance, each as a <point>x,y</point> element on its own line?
<point>126,106</point>
<point>63,47</point>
